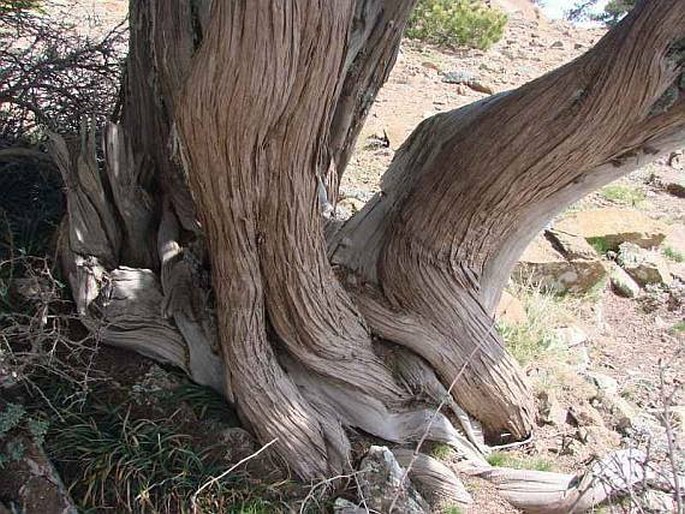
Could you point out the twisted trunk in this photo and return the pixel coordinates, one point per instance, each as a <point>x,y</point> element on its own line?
<point>239,121</point>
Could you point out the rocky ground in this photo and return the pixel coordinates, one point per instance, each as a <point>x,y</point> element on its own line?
<point>605,350</point>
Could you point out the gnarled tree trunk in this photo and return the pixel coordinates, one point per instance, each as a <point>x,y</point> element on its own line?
<point>238,123</point>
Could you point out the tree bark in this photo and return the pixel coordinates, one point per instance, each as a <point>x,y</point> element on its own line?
<point>238,116</point>
<point>471,188</point>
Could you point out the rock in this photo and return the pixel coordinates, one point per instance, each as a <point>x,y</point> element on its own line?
<point>669,180</point>
<point>468,79</point>
<point>623,412</point>
<point>545,266</point>
<point>612,226</point>
<point>572,246</point>
<point>645,267</point>
<point>352,204</point>
<point>343,506</point>
<point>605,384</point>
<point>570,336</point>
<point>578,46</point>
<point>658,502</point>
<point>550,411</point>
<point>237,444</point>
<point>584,416</point>
<point>675,239</point>
<point>623,284</point>
<point>510,310</point>
<point>380,483</point>
<point>557,44</point>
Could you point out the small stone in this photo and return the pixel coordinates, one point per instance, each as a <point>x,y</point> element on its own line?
<point>675,239</point>
<point>551,412</point>
<point>643,266</point>
<point>380,483</point>
<point>623,412</point>
<point>352,204</point>
<point>570,336</point>
<point>557,44</point>
<point>605,384</point>
<point>658,502</point>
<point>584,416</point>
<point>343,506</point>
<point>623,284</point>
<point>578,46</point>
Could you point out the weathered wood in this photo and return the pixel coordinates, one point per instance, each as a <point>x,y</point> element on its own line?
<point>470,189</point>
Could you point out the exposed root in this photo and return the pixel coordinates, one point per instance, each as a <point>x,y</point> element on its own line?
<point>492,388</point>
<point>435,481</point>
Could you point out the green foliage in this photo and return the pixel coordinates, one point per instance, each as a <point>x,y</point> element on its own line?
<point>456,23</point>
<point>8,6</point>
<point>534,338</point>
<point>623,195</point>
<point>678,328</point>
<point>452,509</point>
<point>507,460</point>
<point>600,244</point>
<point>15,423</point>
<point>674,254</point>
<point>442,451</point>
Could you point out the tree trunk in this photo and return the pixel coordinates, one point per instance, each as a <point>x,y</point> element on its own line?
<point>238,123</point>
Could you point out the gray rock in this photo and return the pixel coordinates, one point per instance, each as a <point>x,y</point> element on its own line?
<point>459,77</point>
<point>658,502</point>
<point>557,44</point>
<point>468,79</point>
<point>544,265</point>
<point>343,506</point>
<point>551,412</point>
<point>623,284</point>
<point>568,337</point>
<point>604,383</point>
<point>380,483</point>
<point>643,266</point>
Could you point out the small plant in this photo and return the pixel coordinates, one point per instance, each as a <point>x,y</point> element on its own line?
<point>507,460</point>
<point>456,23</point>
<point>600,244</point>
<point>674,255</point>
<point>452,509</point>
<point>678,328</point>
<point>623,195</point>
<point>535,337</point>
<point>442,452</point>
<point>15,423</point>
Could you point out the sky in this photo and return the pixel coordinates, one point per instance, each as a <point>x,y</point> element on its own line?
<point>556,8</point>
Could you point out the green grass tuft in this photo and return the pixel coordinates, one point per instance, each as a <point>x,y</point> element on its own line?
<point>623,194</point>
<point>530,340</point>
<point>674,255</point>
<point>678,328</point>
<point>442,451</point>
<point>507,460</point>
